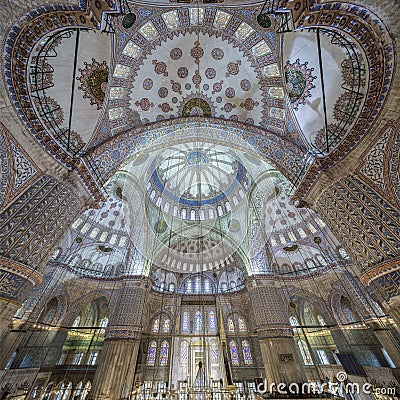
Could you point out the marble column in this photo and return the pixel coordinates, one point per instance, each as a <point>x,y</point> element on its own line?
<point>114,378</point>
<point>30,228</point>
<point>275,334</point>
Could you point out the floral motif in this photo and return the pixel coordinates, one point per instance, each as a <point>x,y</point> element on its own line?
<point>163,92</point>
<point>46,105</point>
<point>346,106</point>
<point>43,80</point>
<point>228,107</point>
<point>176,53</point>
<point>94,78</point>
<point>147,84</point>
<point>233,68</point>
<point>197,105</point>
<point>145,104</point>
<point>217,87</point>
<point>176,87</point>
<point>230,92</point>
<point>245,85</point>
<point>211,73</point>
<point>183,72</point>
<point>197,52</point>
<point>249,104</point>
<point>298,82</point>
<point>196,78</point>
<point>333,137</point>
<point>165,107</point>
<point>160,68</point>
<point>217,54</point>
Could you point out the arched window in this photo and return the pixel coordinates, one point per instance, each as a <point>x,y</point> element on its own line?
<point>189,288</point>
<point>242,325</point>
<point>211,321</point>
<point>248,359</point>
<point>224,287</point>
<point>198,321</point>
<point>103,324</point>
<point>164,352</point>
<point>233,285</point>
<point>184,351</point>
<point>293,322</point>
<point>305,352</point>
<point>321,260</point>
<point>77,321</point>
<point>197,285</point>
<point>207,286</point>
<point>234,352</point>
<point>151,354</point>
<point>214,352</point>
<point>64,391</point>
<point>321,321</point>
<point>171,287</point>
<point>231,326</point>
<point>343,253</point>
<point>167,325</point>
<point>185,321</point>
<point>156,325</point>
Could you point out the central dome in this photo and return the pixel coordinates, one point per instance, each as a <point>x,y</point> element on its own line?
<point>197,181</point>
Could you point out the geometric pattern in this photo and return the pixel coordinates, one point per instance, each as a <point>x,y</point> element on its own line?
<point>23,169</point>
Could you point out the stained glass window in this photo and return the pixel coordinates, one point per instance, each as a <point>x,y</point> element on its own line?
<point>185,321</point>
<point>248,360</point>
<point>293,321</point>
<point>164,353</point>
<point>151,354</point>
<point>242,325</point>
<point>305,352</point>
<point>212,322</point>
<point>321,321</point>
<point>156,325</point>
<point>234,352</point>
<point>197,285</point>
<point>231,326</point>
<point>184,351</point>
<point>207,286</point>
<point>198,321</point>
<point>214,352</point>
<point>167,325</point>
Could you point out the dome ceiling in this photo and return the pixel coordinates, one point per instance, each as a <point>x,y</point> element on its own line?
<point>190,209</point>
<point>198,181</point>
<point>326,80</point>
<point>198,62</point>
<point>70,115</point>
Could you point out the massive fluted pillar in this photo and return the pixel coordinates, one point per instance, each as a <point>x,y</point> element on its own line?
<point>275,333</point>
<point>117,361</point>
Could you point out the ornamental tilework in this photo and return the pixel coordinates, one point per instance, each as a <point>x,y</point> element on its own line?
<point>31,226</point>
<point>394,165</point>
<point>10,285</point>
<point>288,159</point>
<point>354,210</point>
<point>389,285</point>
<point>374,165</point>
<point>4,168</point>
<point>24,171</point>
